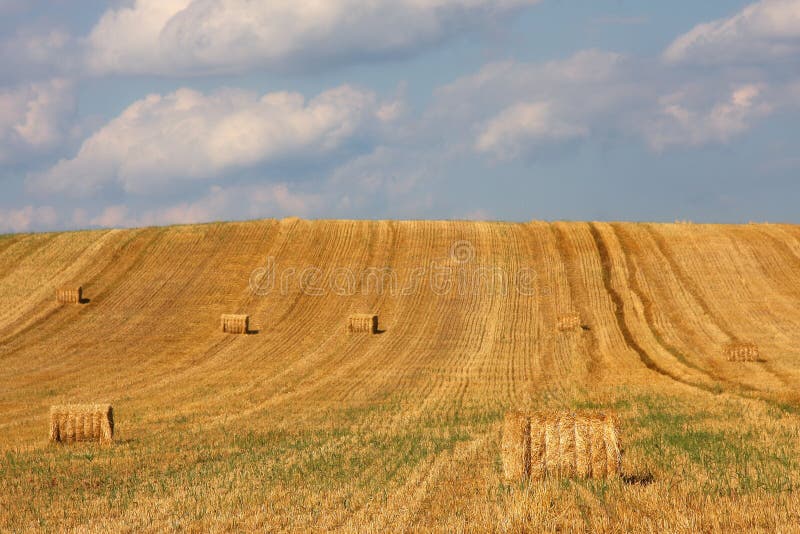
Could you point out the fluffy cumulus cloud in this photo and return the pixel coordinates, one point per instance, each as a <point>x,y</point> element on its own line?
<point>200,36</point>
<point>218,203</point>
<point>524,124</point>
<point>187,135</point>
<point>392,180</point>
<point>678,122</point>
<point>238,202</point>
<point>511,109</point>
<point>551,100</point>
<point>763,31</point>
<point>33,53</point>
<point>34,118</point>
<point>113,216</point>
<point>27,218</point>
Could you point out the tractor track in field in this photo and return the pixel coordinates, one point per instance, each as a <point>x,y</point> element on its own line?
<point>306,426</point>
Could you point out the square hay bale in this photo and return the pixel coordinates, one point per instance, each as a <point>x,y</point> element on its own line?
<point>72,295</point>
<point>742,352</point>
<point>81,422</point>
<point>235,324</point>
<point>562,445</point>
<point>361,323</point>
<point>569,321</point>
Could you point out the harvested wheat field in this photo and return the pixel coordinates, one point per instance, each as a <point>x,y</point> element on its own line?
<point>306,428</point>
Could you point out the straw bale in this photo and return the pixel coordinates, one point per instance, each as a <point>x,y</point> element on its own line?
<point>742,352</point>
<point>235,324</point>
<point>73,295</point>
<point>81,422</point>
<point>362,323</point>
<point>569,321</point>
<point>561,444</point>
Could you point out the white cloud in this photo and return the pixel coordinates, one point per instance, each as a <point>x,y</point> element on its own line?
<point>187,135</point>
<point>34,52</point>
<point>80,218</point>
<point>394,181</point>
<point>765,30</point>
<point>238,202</point>
<point>201,36</point>
<point>111,217</point>
<point>27,218</point>
<point>677,123</point>
<point>567,91</point>
<point>507,109</point>
<point>219,203</point>
<point>523,125</point>
<point>34,117</point>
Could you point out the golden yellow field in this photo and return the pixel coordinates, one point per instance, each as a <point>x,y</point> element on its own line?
<point>302,426</point>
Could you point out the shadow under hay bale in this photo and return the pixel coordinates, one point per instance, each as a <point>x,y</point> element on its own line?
<point>81,422</point>
<point>71,296</point>
<point>561,445</point>
<point>742,352</point>
<point>639,479</point>
<point>363,323</point>
<point>235,324</point>
<point>569,321</point>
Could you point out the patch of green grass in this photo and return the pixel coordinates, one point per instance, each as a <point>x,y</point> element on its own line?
<point>778,408</point>
<point>329,457</point>
<point>316,461</point>
<point>465,417</point>
<point>618,405</point>
<point>733,461</point>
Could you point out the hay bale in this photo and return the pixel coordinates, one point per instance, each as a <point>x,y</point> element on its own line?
<point>235,324</point>
<point>516,446</point>
<point>598,454</point>
<point>742,352</point>
<point>583,448</point>
<point>611,432</point>
<point>538,443</point>
<point>72,295</point>
<point>563,444</point>
<point>569,321</point>
<point>550,450</point>
<point>363,323</point>
<point>81,422</point>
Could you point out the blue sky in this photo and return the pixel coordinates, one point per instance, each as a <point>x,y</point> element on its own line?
<point>141,112</point>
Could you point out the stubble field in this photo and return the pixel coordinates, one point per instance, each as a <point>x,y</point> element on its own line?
<point>301,426</point>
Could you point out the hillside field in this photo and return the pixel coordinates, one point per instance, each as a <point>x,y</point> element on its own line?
<point>300,426</point>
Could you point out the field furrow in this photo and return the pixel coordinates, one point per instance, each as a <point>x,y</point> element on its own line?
<point>301,426</point>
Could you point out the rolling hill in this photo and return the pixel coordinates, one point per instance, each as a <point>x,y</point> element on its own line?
<point>300,426</point>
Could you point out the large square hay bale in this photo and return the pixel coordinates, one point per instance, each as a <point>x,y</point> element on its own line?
<point>742,352</point>
<point>235,324</point>
<point>562,445</point>
<point>81,422</point>
<point>568,321</point>
<point>362,323</point>
<point>72,295</point>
